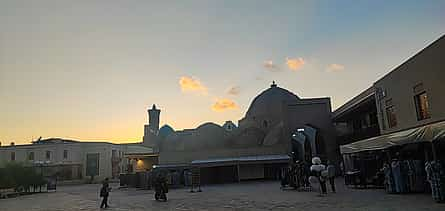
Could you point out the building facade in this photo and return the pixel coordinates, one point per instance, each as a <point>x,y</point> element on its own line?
<point>257,148</point>
<point>76,160</point>
<point>357,119</point>
<point>409,96</point>
<point>412,94</point>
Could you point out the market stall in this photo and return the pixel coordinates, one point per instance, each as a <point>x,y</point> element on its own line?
<point>408,160</point>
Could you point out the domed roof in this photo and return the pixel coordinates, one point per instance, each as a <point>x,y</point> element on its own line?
<point>165,130</point>
<point>270,101</point>
<point>208,125</point>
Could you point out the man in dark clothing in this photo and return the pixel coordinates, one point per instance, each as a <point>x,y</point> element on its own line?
<point>161,187</point>
<point>331,175</point>
<point>104,192</point>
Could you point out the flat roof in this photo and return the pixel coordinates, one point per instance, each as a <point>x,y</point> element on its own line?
<point>235,160</point>
<point>366,94</point>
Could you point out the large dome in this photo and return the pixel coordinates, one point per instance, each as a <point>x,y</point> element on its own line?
<point>270,102</point>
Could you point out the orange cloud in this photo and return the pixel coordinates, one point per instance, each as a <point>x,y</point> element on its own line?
<point>234,90</point>
<point>335,67</point>
<point>189,84</point>
<point>295,63</point>
<point>269,65</point>
<point>224,104</point>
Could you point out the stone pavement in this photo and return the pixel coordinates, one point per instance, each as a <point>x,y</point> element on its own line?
<point>244,196</point>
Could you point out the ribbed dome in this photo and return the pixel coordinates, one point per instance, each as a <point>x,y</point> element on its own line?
<point>270,101</point>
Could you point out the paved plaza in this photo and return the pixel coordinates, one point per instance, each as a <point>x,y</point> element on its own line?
<point>244,196</point>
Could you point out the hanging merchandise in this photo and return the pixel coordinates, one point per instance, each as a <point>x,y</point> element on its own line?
<point>397,174</point>
<point>389,180</point>
<point>436,177</point>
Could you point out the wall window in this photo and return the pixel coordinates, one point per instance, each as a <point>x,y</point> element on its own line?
<point>31,156</point>
<point>48,155</point>
<point>65,154</point>
<point>12,156</point>
<point>391,116</point>
<point>422,106</point>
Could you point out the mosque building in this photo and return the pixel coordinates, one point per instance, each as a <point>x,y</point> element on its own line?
<point>278,126</point>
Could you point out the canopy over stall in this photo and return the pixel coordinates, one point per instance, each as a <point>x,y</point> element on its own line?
<point>428,133</point>
<point>242,160</point>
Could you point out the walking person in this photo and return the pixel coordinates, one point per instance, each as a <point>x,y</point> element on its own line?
<point>331,175</point>
<point>317,170</point>
<point>104,193</point>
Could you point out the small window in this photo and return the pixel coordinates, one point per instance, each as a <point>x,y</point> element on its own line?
<point>65,154</point>
<point>391,116</point>
<point>48,155</point>
<point>422,106</point>
<point>12,156</point>
<point>265,123</point>
<point>31,156</point>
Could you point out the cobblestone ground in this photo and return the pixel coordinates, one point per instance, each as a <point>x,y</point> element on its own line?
<point>244,196</point>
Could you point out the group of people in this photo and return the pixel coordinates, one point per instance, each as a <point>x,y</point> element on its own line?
<point>302,174</point>
<point>159,182</point>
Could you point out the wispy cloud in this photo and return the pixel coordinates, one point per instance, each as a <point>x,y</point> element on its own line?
<point>295,63</point>
<point>271,66</point>
<point>233,90</point>
<point>224,104</point>
<point>335,67</point>
<point>190,84</point>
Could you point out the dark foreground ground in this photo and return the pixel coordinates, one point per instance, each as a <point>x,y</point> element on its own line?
<point>244,196</point>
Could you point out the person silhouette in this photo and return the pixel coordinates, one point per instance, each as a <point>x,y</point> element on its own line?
<point>104,193</point>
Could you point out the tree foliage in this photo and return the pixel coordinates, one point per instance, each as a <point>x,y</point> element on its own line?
<point>20,178</point>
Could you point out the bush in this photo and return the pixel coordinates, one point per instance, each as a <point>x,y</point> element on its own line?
<point>20,178</point>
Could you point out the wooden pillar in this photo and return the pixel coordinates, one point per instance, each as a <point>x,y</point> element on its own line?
<point>388,155</point>
<point>237,172</point>
<point>433,149</point>
<point>426,153</point>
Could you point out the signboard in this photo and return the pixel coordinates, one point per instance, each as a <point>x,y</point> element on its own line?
<point>92,164</point>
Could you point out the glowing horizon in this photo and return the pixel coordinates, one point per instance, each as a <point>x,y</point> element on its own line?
<point>74,71</point>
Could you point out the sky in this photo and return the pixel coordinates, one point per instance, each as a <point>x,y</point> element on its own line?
<point>89,70</point>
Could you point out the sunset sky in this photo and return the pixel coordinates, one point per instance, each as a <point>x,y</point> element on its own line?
<point>89,70</point>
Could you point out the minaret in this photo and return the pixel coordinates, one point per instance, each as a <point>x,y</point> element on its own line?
<point>153,119</point>
<point>151,130</point>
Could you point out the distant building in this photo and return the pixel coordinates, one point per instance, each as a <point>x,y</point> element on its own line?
<point>278,127</point>
<point>76,160</point>
<point>257,148</point>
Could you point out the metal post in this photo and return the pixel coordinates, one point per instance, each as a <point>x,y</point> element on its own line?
<point>237,172</point>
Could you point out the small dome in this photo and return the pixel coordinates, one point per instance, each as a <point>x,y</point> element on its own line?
<point>165,130</point>
<point>270,101</point>
<point>207,125</point>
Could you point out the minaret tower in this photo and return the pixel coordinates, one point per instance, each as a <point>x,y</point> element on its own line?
<point>151,130</point>
<point>153,119</point>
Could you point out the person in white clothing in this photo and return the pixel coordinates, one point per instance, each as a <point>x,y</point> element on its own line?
<point>318,170</point>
